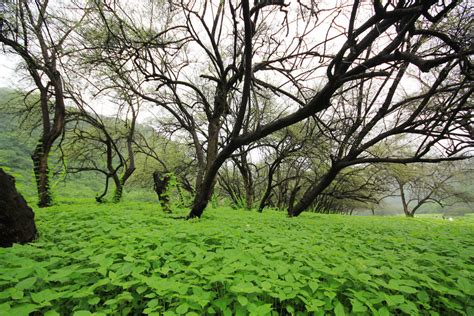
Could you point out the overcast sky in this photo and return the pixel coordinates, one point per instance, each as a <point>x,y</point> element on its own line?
<point>8,73</point>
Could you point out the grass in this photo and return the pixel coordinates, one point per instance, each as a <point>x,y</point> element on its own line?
<point>131,259</point>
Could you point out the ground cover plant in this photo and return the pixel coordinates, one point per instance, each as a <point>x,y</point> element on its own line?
<point>132,259</point>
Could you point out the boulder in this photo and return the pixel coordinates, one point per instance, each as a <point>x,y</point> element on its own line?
<point>17,220</point>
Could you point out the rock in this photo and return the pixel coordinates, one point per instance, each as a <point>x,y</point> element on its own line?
<point>17,220</point>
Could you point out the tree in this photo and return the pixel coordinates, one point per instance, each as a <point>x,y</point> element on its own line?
<point>421,184</point>
<point>284,145</point>
<point>355,188</point>
<point>301,160</point>
<point>102,144</point>
<point>204,60</point>
<point>161,183</point>
<point>157,153</point>
<point>366,132</point>
<point>32,31</point>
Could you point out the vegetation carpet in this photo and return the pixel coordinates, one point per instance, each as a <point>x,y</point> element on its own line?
<point>131,259</point>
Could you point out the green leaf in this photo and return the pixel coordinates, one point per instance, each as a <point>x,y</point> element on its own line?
<point>357,306</point>
<point>61,275</point>
<point>407,289</point>
<point>17,294</point>
<point>42,273</point>
<point>182,309</point>
<point>383,311</point>
<point>248,288</point>
<point>83,292</point>
<point>152,303</point>
<point>264,309</point>
<point>222,303</point>
<point>423,296</point>
<point>465,285</point>
<point>394,300</point>
<point>45,296</point>
<point>408,307</point>
<point>26,284</point>
<point>93,300</point>
<point>339,310</point>
<point>23,309</point>
<point>314,305</point>
<point>141,289</point>
<point>82,313</point>
<point>242,300</point>
<point>4,308</point>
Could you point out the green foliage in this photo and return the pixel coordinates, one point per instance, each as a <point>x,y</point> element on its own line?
<point>18,138</point>
<point>134,260</point>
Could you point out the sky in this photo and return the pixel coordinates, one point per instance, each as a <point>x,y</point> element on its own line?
<point>11,77</point>
<point>8,76</point>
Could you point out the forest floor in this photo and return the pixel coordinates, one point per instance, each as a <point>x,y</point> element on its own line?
<point>132,259</point>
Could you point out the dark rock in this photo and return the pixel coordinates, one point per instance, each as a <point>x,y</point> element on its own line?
<point>17,220</point>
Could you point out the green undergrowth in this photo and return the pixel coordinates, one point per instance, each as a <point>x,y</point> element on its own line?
<point>131,259</point>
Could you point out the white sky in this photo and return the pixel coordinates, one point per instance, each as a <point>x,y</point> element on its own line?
<point>13,78</point>
<point>8,73</point>
<point>10,77</point>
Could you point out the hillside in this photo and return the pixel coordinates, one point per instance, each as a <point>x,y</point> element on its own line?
<point>17,140</point>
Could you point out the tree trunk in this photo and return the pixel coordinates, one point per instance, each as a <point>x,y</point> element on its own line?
<point>100,198</point>
<point>17,224</point>
<point>246,174</point>
<point>268,189</point>
<point>249,195</point>
<point>204,194</point>
<point>118,193</point>
<point>41,171</point>
<point>200,204</point>
<point>314,191</point>
<point>51,131</point>
<point>292,198</point>
<point>233,194</point>
<point>248,180</point>
<point>205,189</point>
<point>130,167</point>
<point>121,183</point>
<point>406,210</point>
<point>161,189</point>
<point>266,195</point>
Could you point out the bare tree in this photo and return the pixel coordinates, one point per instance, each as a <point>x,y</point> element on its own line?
<point>276,150</point>
<point>32,31</point>
<point>204,60</point>
<point>421,184</point>
<point>103,144</point>
<point>364,131</point>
